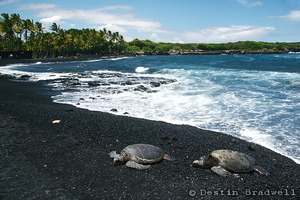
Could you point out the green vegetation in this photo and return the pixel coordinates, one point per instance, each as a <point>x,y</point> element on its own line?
<point>17,34</point>
<point>148,47</point>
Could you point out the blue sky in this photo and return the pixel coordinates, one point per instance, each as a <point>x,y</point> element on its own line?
<point>196,21</point>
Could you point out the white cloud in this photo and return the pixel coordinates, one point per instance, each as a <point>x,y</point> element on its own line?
<point>154,37</point>
<point>102,16</point>
<point>215,34</point>
<point>5,2</point>
<point>119,19</point>
<point>113,28</point>
<point>116,7</point>
<point>246,3</point>
<point>51,20</point>
<point>39,6</point>
<point>293,15</point>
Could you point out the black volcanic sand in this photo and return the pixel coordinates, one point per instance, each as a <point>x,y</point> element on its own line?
<point>69,160</point>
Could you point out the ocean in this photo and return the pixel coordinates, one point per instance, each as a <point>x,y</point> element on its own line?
<point>252,97</point>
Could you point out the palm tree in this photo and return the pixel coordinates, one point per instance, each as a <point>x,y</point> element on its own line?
<point>61,41</point>
<point>13,29</point>
<point>48,44</point>
<point>59,38</point>
<point>27,24</point>
<point>17,27</point>
<point>32,30</point>
<point>54,27</point>
<point>40,37</point>
<point>6,26</point>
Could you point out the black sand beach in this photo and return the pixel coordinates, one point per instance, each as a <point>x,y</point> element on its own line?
<point>69,160</point>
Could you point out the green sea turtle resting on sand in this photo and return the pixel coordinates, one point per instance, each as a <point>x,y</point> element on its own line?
<point>139,156</point>
<point>223,162</point>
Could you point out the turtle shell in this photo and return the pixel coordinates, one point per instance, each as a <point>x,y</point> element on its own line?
<point>233,161</point>
<point>143,153</point>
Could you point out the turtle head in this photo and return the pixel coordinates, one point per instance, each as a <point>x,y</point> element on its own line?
<point>198,163</point>
<point>118,159</point>
<point>204,162</point>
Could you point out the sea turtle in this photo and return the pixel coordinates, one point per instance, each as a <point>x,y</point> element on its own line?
<point>139,156</point>
<point>223,162</point>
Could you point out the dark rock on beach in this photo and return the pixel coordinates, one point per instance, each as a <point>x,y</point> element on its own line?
<point>141,88</point>
<point>109,82</point>
<point>93,83</point>
<point>114,110</point>
<point>24,77</point>
<point>69,160</point>
<point>5,76</point>
<point>154,84</point>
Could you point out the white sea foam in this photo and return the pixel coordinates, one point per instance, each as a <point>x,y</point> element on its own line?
<point>119,58</point>
<point>252,105</point>
<point>93,60</point>
<point>10,69</point>
<point>141,69</point>
<point>199,102</point>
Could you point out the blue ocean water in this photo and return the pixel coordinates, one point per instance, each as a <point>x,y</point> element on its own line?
<point>253,97</point>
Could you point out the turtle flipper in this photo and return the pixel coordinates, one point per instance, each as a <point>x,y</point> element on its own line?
<point>223,172</point>
<point>261,170</point>
<point>169,158</point>
<point>135,165</point>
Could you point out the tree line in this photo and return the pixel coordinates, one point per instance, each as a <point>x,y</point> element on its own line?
<point>149,46</point>
<point>18,34</point>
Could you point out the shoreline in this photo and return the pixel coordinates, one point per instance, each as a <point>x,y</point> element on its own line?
<point>70,160</point>
<point>4,62</point>
<point>97,57</point>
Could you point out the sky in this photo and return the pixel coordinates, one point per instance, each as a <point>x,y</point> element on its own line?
<point>183,21</point>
